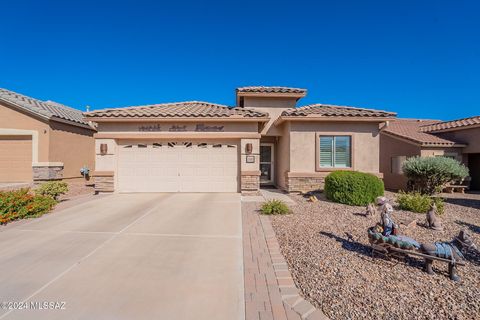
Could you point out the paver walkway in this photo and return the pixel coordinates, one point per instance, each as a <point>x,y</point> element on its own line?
<point>270,293</point>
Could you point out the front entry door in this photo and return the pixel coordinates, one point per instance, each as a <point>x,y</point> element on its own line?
<point>266,163</point>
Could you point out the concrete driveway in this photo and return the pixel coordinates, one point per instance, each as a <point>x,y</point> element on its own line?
<point>128,256</point>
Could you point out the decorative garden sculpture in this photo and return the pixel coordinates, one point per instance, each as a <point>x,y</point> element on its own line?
<point>432,220</point>
<point>371,210</point>
<point>452,251</point>
<point>389,226</point>
<point>385,240</point>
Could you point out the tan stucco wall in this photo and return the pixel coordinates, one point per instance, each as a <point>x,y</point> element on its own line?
<point>471,137</point>
<point>389,148</point>
<point>115,127</point>
<point>392,147</point>
<point>244,166</point>
<point>365,144</point>
<point>437,152</point>
<point>73,146</point>
<point>12,119</point>
<point>282,155</point>
<point>273,106</point>
<point>106,162</point>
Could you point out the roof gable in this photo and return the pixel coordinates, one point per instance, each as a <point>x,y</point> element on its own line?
<point>188,109</point>
<point>49,110</point>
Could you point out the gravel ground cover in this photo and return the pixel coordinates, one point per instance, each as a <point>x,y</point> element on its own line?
<point>327,250</point>
<point>78,187</point>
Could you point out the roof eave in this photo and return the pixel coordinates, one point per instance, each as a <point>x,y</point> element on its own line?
<point>445,145</point>
<point>72,123</point>
<point>44,117</point>
<point>295,95</point>
<point>422,144</point>
<point>452,129</point>
<point>176,119</point>
<point>26,110</point>
<point>282,119</point>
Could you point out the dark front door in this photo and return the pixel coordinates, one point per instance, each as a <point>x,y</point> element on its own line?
<point>266,163</point>
<point>474,167</point>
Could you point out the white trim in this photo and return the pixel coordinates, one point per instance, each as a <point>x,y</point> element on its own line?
<point>20,132</point>
<point>47,164</point>
<point>272,163</point>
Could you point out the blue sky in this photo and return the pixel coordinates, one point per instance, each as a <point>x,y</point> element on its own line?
<point>418,58</point>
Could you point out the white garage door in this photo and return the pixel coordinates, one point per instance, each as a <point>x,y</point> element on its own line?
<point>173,166</point>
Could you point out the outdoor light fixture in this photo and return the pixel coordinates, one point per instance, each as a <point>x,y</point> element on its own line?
<point>103,148</point>
<point>248,148</point>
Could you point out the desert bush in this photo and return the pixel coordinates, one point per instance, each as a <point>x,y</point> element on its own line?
<point>417,202</point>
<point>428,175</point>
<point>21,204</point>
<point>274,207</point>
<point>52,189</point>
<point>353,188</point>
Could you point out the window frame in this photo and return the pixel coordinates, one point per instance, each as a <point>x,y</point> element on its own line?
<point>334,134</point>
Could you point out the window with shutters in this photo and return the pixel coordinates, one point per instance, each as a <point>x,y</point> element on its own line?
<point>335,151</point>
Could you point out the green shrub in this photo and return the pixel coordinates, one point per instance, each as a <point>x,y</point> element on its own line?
<point>429,174</point>
<point>353,188</point>
<point>417,202</point>
<point>21,204</point>
<point>274,207</point>
<point>52,189</point>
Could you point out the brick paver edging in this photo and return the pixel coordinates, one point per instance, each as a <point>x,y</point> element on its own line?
<point>270,292</point>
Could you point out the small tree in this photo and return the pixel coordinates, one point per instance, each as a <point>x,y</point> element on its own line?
<point>428,174</point>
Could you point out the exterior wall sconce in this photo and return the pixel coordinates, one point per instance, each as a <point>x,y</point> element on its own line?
<point>248,148</point>
<point>103,149</point>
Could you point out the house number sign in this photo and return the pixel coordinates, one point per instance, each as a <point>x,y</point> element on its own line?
<point>180,128</point>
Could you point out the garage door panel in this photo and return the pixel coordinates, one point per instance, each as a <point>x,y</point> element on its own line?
<point>178,167</point>
<point>16,159</point>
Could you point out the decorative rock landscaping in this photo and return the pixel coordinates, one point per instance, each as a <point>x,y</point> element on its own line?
<point>326,247</point>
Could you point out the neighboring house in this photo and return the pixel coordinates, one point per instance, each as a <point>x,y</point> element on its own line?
<point>42,140</point>
<point>206,147</point>
<point>403,138</point>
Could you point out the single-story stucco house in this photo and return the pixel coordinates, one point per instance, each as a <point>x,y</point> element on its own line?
<point>403,138</point>
<point>206,147</point>
<point>42,140</point>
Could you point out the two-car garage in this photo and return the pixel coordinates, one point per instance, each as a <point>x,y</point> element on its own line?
<point>178,166</point>
<point>188,146</point>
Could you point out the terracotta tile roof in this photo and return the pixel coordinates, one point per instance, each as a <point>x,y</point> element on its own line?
<point>409,129</point>
<point>454,124</point>
<point>263,89</point>
<point>325,110</point>
<point>188,109</point>
<point>45,109</point>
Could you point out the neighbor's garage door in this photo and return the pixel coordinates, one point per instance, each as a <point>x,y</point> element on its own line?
<point>178,167</point>
<point>15,159</point>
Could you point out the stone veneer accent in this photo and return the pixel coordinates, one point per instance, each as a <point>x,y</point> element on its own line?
<point>104,181</point>
<point>250,183</point>
<point>304,184</point>
<point>47,172</point>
